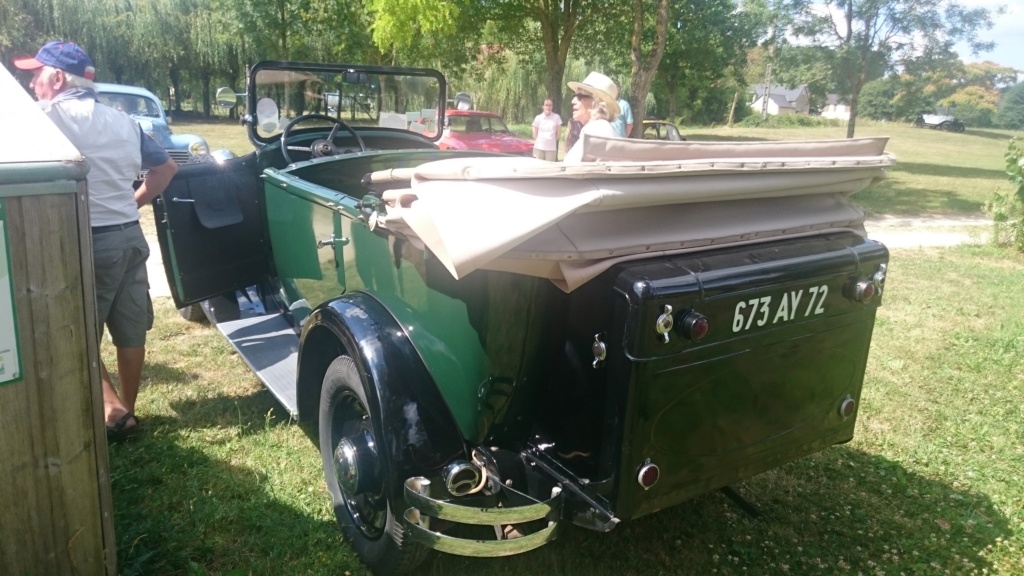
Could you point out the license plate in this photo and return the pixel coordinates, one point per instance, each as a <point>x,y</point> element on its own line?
<point>775,309</point>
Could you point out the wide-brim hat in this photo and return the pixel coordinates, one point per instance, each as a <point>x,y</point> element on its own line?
<point>601,87</point>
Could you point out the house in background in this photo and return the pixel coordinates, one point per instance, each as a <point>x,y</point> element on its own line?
<point>781,100</point>
<point>835,108</point>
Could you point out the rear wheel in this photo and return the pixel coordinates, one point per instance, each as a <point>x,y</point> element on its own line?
<point>192,313</point>
<point>358,474</point>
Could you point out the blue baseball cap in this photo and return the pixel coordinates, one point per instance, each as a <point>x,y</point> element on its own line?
<point>66,56</point>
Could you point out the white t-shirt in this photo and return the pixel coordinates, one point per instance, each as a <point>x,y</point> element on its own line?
<point>109,140</point>
<point>595,127</point>
<point>547,131</point>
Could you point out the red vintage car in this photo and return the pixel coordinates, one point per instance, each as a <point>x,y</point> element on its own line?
<point>478,130</point>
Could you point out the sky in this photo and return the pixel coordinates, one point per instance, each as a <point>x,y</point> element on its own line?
<point>1008,34</point>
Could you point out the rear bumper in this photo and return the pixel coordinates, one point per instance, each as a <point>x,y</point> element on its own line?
<point>520,523</point>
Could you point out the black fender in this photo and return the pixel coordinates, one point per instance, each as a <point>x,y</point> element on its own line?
<point>420,433</point>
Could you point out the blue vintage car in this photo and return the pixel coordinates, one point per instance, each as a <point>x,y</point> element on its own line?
<point>489,345</point>
<point>145,107</point>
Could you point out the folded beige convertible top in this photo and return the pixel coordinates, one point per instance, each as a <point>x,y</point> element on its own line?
<point>635,198</point>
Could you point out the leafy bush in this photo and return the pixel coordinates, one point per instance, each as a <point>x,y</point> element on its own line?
<point>876,100</point>
<point>1011,108</point>
<point>787,121</point>
<point>1008,209</point>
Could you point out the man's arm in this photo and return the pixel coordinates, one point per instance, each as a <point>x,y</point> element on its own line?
<point>156,182</point>
<point>629,130</point>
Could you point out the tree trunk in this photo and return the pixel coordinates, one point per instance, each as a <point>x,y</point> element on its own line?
<point>732,107</point>
<point>642,73</point>
<point>205,80</point>
<point>556,35</point>
<point>175,75</point>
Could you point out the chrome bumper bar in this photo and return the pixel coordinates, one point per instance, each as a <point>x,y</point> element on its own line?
<point>519,508</point>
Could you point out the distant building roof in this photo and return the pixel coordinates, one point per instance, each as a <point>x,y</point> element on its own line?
<point>834,99</point>
<point>790,94</point>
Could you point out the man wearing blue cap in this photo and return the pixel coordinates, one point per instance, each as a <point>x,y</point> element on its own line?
<point>116,150</point>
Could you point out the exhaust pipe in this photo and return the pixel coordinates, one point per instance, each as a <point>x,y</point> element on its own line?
<point>462,478</point>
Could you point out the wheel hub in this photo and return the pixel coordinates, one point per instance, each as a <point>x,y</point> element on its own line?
<point>355,463</point>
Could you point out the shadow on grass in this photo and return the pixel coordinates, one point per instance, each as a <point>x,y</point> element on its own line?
<point>843,505</point>
<point>947,171</point>
<point>177,511</point>
<point>990,135</point>
<point>884,198</point>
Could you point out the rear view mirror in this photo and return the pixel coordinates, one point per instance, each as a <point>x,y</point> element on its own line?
<point>355,78</point>
<point>226,97</point>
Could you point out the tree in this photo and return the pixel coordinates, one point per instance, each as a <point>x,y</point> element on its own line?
<point>876,99</point>
<point>645,53</point>
<point>705,53</point>
<point>872,34</point>
<point>1011,108</point>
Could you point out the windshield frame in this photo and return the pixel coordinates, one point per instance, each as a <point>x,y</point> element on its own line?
<point>299,69</point>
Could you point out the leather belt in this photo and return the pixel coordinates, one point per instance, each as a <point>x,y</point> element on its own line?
<point>113,227</point>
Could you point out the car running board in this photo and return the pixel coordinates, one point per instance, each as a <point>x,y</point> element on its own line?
<point>269,345</point>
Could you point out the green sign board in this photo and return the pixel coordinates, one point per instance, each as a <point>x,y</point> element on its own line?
<point>10,359</point>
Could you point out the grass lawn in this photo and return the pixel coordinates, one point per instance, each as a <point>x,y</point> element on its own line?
<point>220,482</point>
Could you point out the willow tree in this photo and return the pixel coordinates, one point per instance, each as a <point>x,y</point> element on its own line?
<point>106,29</point>
<point>892,33</point>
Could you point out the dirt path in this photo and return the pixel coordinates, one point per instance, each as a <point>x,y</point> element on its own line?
<point>925,231</point>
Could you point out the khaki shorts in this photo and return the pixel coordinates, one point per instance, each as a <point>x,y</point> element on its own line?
<point>122,285</point>
<point>549,155</point>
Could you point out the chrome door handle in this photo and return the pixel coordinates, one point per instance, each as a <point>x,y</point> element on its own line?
<point>333,240</point>
<point>183,200</point>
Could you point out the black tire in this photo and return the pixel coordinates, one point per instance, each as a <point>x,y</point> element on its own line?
<point>192,313</point>
<point>364,512</point>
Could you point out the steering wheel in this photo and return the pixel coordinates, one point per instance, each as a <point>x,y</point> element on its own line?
<point>320,147</point>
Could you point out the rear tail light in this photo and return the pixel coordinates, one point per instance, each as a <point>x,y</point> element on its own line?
<point>648,474</point>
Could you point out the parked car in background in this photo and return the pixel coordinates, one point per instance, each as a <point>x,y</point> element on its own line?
<point>145,107</point>
<point>941,122</point>
<point>478,130</point>
<point>662,130</point>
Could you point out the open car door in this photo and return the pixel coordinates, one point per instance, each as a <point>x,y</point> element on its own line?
<point>212,229</point>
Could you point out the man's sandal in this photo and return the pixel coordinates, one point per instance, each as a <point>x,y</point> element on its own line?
<point>117,432</point>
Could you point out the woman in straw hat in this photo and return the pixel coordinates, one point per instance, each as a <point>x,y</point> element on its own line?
<point>594,105</point>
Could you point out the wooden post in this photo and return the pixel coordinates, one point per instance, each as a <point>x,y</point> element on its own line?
<point>55,500</point>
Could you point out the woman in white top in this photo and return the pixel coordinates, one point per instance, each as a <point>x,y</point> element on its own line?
<point>594,105</point>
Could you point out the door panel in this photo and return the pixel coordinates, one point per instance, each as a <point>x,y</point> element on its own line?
<point>211,226</point>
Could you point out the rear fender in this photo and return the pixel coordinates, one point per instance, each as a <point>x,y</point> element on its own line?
<point>420,433</point>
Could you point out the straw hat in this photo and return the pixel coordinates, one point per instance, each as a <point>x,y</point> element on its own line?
<point>602,87</point>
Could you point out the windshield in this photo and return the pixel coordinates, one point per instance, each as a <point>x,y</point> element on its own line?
<point>476,123</point>
<point>131,104</point>
<point>401,98</point>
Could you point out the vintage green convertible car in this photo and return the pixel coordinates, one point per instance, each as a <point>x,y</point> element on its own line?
<point>492,345</point>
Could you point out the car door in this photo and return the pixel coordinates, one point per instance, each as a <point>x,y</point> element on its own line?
<point>211,225</point>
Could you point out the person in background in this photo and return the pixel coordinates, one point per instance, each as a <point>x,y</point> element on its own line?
<point>594,106</point>
<point>547,131</point>
<point>623,123</point>
<point>116,150</point>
